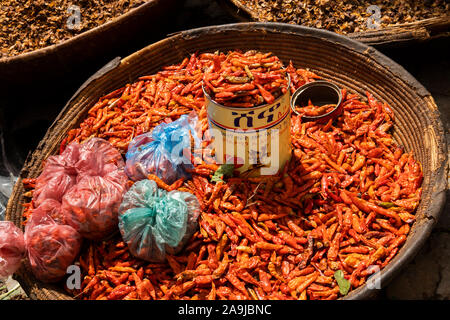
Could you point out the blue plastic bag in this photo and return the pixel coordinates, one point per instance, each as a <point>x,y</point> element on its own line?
<point>161,151</point>
<point>154,222</point>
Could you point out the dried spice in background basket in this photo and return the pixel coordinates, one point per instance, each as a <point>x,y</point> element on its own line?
<point>31,25</point>
<point>344,16</point>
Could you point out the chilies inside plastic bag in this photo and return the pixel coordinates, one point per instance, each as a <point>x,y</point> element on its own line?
<point>92,205</point>
<point>52,208</point>
<point>154,222</point>
<point>88,181</point>
<point>58,175</point>
<point>51,247</point>
<point>12,248</point>
<point>95,157</point>
<point>161,152</point>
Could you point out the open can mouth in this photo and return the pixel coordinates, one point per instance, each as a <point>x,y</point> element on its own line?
<point>209,98</point>
<point>319,93</point>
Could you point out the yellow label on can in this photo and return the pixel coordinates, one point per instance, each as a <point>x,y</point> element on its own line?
<point>256,139</point>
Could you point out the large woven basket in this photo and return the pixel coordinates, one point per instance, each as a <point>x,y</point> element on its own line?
<point>67,56</point>
<point>346,62</point>
<point>404,33</point>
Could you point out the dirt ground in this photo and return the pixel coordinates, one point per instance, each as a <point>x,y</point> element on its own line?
<point>11,290</point>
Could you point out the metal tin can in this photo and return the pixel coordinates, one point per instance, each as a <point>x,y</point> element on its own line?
<point>256,140</point>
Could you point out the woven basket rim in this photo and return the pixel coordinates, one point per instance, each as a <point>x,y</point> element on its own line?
<point>395,71</point>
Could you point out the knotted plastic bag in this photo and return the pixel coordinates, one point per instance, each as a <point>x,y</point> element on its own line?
<point>12,248</point>
<point>51,208</point>
<point>154,222</point>
<point>161,151</point>
<point>51,247</point>
<point>58,175</point>
<point>98,157</point>
<point>92,206</point>
<point>88,180</point>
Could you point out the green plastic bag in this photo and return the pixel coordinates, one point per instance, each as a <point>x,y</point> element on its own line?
<point>154,222</point>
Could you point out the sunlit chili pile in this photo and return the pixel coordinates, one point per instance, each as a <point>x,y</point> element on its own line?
<point>310,110</point>
<point>345,16</point>
<point>246,80</point>
<point>31,25</point>
<point>334,215</point>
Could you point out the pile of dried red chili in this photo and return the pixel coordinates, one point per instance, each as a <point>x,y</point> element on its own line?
<point>245,80</point>
<point>310,110</point>
<point>337,212</point>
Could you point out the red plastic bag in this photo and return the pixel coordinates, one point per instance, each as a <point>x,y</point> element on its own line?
<point>88,181</point>
<point>51,208</point>
<point>58,175</point>
<point>92,206</point>
<point>12,248</point>
<point>98,157</point>
<point>51,247</point>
